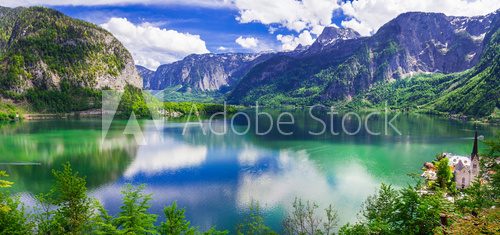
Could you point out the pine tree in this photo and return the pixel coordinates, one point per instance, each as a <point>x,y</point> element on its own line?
<point>102,222</point>
<point>254,222</point>
<point>133,217</point>
<point>69,195</point>
<point>175,222</point>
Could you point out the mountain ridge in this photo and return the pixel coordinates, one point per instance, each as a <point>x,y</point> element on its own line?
<point>45,54</point>
<point>411,43</point>
<point>341,65</point>
<point>205,72</point>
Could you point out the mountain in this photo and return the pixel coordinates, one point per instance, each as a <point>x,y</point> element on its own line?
<point>207,72</point>
<point>342,65</point>
<point>330,36</point>
<point>43,51</point>
<point>146,75</point>
<point>474,92</point>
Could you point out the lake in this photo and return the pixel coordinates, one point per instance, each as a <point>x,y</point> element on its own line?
<point>216,177</point>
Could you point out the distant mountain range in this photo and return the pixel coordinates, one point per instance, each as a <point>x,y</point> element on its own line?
<point>417,60</point>
<point>207,72</point>
<point>340,64</point>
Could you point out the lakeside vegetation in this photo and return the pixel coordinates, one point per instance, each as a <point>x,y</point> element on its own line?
<point>181,94</point>
<point>184,108</point>
<point>67,209</point>
<point>9,112</point>
<point>74,99</point>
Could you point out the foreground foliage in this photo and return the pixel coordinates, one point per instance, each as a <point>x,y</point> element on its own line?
<point>67,209</point>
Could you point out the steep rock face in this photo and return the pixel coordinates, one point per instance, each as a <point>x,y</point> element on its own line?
<point>479,95</point>
<point>330,36</point>
<point>43,49</point>
<point>410,44</point>
<point>413,43</point>
<point>436,43</point>
<point>474,92</point>
<point>146,75</point>
<point>207,72</point>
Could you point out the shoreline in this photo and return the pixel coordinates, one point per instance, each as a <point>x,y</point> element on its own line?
<point>52,116</point>
<point>96,113</point>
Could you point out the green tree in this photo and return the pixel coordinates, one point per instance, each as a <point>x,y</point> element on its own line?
<point>405,211</point>
<point>304,220</point>
<point>483,193</point>
<point>419,214</point>
<point>476,197</point>
<point>175,222</point>
<point>214,231</point>
<point>13,219</point>
<point>378,210</point>
<point>354,229</point>
<point>493,147</point>
<point>73,207</point>
<point>102,222</point>
<point>43,215</point>
<point>4,184</point>
<point>444,174</point>
<point>253,222</point>
<point>133,217</point>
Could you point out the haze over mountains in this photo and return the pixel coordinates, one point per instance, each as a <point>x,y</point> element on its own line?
<point>340,64</point>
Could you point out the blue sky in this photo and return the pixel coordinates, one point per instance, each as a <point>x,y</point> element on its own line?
<point>162,31</point>
<point>217,27</point>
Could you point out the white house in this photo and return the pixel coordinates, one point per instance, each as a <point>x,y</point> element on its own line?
<point>465,169</point>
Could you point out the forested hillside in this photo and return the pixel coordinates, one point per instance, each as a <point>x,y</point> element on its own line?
<point>57,63</point>
<point>475,92</point>
<point>412,45</point>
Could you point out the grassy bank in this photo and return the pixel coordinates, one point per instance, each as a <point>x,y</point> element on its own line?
<point>185,108</point>
<point>9,112</point>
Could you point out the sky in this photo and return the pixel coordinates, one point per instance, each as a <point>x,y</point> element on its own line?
<point>163,31</point>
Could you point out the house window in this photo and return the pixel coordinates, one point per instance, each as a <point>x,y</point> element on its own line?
<point>463,182</point>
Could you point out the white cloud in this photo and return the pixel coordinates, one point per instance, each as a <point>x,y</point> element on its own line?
<point>197,3</point>
<point>361,28</point>
<point>164,154</point>
<point>157,159</point>
<point>221,48</point>
<point>290,42</point>
<point>247,43</point>
<point>292,14</point>
<point>306,17</point>
<point>300,177</point>
<point>372,14</point>
<point>151,46</point>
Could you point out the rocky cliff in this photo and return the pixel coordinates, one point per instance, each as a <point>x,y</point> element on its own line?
<point>330,36</point>
<point>207,72</point>
<point>146,75</point>
<point>42,49</point>
<point>341,64</point>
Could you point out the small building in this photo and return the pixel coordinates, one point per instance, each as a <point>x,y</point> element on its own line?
<point>465,169</point>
